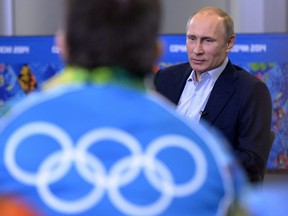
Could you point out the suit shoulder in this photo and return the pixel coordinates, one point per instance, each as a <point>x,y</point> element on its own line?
<point>244,74</point>
<point>247,78</point>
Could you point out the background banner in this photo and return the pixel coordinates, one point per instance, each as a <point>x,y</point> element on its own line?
<point>26,62</point>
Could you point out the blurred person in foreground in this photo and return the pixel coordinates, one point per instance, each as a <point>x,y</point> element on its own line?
<point>210,89</point>
<point>97,141</point>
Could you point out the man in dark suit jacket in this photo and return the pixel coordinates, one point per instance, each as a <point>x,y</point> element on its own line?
<point>237,103</point>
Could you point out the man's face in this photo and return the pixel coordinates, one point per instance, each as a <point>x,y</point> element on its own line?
<point>206,42</point>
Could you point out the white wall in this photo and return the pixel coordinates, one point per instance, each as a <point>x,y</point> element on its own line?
<point>250,16</point>
<point>41,17</point>
<point>176,13</point>
<point>6,17</point>
<point>37,17</point>
<point>275,16</point>
<point>257,16</point>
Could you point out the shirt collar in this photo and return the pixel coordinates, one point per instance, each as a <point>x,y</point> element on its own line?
<point>99,75</point>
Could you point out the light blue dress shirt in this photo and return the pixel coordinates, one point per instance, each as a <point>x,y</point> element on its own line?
<point>195,94</point>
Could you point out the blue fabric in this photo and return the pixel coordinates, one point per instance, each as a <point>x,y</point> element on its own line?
<point>110,150</point>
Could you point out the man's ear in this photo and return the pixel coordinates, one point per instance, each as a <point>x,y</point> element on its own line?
<point>158,53</point>
<point>61,43</point>
<point>230,43</point>
<point>159,49</point>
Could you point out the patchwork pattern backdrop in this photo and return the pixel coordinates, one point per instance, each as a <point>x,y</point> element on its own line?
<point>26,62</point>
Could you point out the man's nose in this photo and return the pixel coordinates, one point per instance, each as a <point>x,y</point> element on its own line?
<point>198,49</point>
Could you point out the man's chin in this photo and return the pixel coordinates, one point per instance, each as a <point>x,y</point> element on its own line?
<point>198,68</point>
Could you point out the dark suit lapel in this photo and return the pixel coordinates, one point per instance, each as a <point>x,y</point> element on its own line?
<point>220,94</point>
<point>184,79</point>
<point>181,84</point>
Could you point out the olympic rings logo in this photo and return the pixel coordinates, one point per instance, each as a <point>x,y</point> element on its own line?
<point>90,168</point>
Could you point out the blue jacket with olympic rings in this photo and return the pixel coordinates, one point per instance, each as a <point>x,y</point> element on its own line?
<point>85,149</point>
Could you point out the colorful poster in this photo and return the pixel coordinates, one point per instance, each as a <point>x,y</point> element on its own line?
<point>25,63</point>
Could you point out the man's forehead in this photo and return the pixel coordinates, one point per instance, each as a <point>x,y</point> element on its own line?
<point>210,23</point>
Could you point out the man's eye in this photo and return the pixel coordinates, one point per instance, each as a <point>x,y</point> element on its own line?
<point>208,40</point>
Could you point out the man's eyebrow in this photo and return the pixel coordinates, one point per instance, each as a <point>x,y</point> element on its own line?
<point>207,37</point>
<point>201,37</point>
